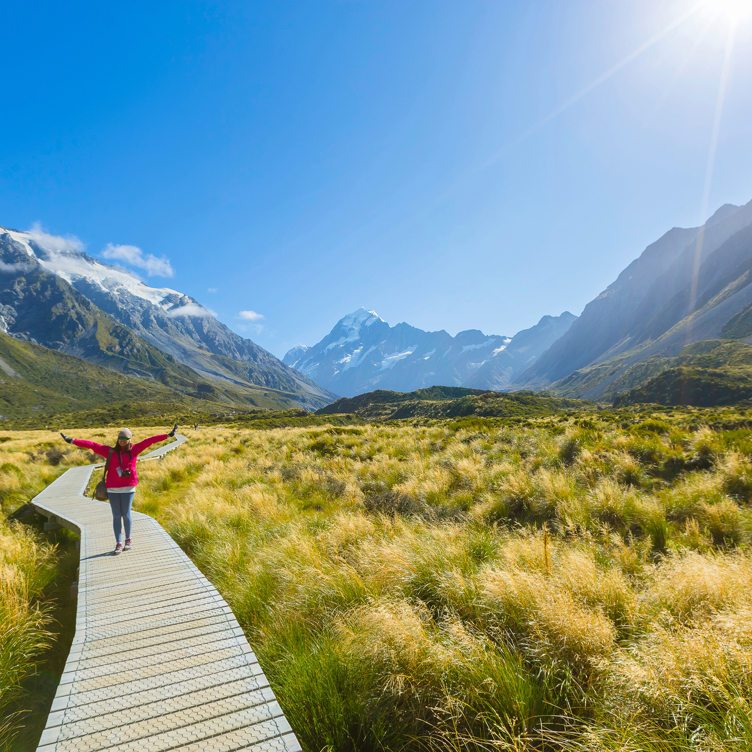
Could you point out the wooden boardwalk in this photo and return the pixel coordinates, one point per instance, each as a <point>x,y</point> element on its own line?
<point>158,661</point>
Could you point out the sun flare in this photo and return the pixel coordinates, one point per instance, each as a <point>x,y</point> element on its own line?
<point>733,10</point>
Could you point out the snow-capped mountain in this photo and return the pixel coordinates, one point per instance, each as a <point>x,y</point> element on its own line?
<point>363,353</point>
<point>173,322</point>
<point>65,259</point>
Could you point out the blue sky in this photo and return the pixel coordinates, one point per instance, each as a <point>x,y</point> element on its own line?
<point>301,158</point>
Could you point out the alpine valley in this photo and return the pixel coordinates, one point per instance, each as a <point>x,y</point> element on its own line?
<point>674,327</point>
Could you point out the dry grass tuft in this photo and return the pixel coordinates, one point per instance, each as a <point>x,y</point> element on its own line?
<point>26,567</point>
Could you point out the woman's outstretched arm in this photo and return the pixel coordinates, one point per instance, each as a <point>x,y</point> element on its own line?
<point>103,451</point>
<point>138,448</point>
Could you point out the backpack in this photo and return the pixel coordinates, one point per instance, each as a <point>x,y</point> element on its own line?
<point>100,492</point>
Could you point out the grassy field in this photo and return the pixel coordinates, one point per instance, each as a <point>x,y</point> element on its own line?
<point>569,582</point>
<point>36,614</point>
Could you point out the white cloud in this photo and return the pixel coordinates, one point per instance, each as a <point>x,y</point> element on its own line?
<point>255,328</point>
<point>133,255</point>
<point>15,268</point>
<point>250,315</point>
<point>212,289</point>
<point>54,242</point>
<point>192,310</point>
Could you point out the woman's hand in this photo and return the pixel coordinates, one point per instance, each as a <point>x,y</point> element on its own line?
<point>67,438</point>
<point>174,428</point>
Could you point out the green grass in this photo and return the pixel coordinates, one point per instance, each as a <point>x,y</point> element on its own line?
<point>450,402</point>
<point>36,627</point>
<point>28,705</point>
<point>704,374</point>
<point>708,373</point>
<point>567,581</point>
<point>580,581</point>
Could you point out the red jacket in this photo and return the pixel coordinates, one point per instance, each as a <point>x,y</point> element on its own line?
<point>125,459</point>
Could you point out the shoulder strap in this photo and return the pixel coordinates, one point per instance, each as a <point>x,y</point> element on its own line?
<point>107,464</point>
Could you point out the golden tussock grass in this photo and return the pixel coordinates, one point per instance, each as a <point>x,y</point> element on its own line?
<point>27,565</point>
<point>421,587</point>
<point>434,568</point>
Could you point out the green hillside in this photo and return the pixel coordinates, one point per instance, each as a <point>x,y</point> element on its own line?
<point>37,383</point>
<point>739,326</point>
<point>45,309</point>
<point>705,374</point>
<point>115,346</point>
<point>50,311</point>
<point>449,402</point>
<point>615,378</point>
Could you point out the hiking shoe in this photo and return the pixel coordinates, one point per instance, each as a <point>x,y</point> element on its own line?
<point>118,549</point>
<point>127,546</point>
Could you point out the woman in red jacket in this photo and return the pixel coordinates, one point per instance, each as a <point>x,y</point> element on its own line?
<point>121,477</point>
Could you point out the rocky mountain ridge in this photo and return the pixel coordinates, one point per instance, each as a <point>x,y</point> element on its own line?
<point>363,353</point>
<point>54,294</point>
<point>684,288</point>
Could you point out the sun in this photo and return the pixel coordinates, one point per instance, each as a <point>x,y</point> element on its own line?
<point>733,10</point>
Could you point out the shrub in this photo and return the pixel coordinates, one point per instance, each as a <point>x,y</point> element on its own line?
<point>653,426</point>
<point>569,450</point>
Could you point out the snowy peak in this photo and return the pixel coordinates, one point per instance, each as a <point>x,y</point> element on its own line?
<point>66,259</point>
<point>349,328</point>
<point>352,328</point>
<point>354,321</point>
<point>295,354</point>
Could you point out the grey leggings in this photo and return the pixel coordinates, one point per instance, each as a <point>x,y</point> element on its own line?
<point>120,503</point>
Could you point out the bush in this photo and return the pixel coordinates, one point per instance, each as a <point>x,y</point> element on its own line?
<point>653,426</point>
<point>569,450</point>
<point>392,503</point>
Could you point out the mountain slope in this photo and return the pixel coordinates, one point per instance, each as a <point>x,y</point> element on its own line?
<point>523,350</point>
<point>40,382</point>
<point>676,293</point>
<point>171,322</point>
<point>722,293</point>
<point>705,374</point>
<point>604,320</point>
<point>44,309</point>
<point>363,352</point>
<point>40,307</point>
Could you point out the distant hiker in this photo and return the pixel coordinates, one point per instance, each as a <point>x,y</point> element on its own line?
<point>121,477</point>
